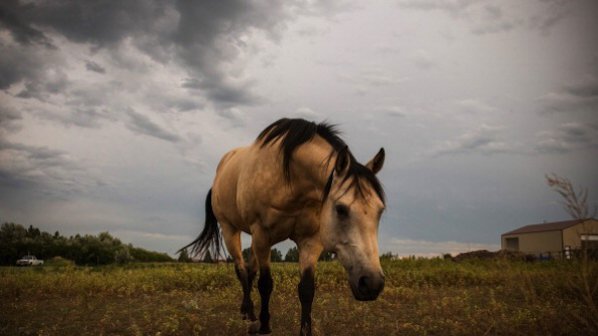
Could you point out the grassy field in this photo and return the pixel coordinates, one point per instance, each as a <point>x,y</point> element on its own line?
<point>421,297</point>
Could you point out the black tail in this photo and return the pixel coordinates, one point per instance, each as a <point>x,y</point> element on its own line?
<point>209,240</point>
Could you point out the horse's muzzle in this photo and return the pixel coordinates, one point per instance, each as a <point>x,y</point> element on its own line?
<point>367,287</point>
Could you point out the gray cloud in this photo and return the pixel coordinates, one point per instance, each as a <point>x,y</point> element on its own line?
<point>483,19</point>
<point>453,7</point>
<point>234,115</point>
<point>567,137</point>
<point>585,88</point>
<point>580,96</point>
<point>422,60</point>
<point>392,111</point>
<point>141,124</point>
<point>82,116</point>
<point>183,105</point>
<point>95,67</point>
<point>193,73</point>
<point>48,170</point>
<point>52,82</point>
<point>81,106</point>
<point>490,18</point>
<point>9,118</point>
<point>555,11</point>
<point>307,113</point>
<point>483,140</point>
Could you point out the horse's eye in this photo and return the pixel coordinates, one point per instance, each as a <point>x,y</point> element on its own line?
<point>342,211</point>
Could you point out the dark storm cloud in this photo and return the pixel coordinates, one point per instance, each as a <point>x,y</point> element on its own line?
<point>208,36</point>
<point>19,63</point>
<point>11,18</point>
<point>143,125</point>
<point>96,22</point>
<point>203,36</point>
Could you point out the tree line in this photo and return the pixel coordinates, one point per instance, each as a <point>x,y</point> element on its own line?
<point>17,241</point>
<point>292,255</point>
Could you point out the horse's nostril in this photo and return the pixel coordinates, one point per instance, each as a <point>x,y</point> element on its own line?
<point>363,284</point>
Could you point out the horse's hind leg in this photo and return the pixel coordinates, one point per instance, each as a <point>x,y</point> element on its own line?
<point>245,274</point>
<point>261,249</point>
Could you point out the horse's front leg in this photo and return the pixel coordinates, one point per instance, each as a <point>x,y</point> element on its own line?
<point>309,252</point>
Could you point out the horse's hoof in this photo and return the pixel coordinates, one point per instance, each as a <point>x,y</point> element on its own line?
<point>254,329</point>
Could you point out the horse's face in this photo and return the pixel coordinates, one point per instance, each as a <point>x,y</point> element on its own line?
<point>350,219</point>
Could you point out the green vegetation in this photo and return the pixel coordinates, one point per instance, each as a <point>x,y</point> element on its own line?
<point>422,297</point>
<point>16,241</point>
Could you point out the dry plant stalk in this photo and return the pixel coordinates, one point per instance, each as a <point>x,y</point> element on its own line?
<point>576,204</point>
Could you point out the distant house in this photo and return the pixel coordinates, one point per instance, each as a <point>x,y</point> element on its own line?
<point>556,239</point>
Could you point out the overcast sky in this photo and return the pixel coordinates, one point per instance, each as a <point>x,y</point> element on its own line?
<point>114,114</point>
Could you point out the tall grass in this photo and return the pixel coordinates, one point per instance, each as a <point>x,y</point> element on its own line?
<point>421,297</point>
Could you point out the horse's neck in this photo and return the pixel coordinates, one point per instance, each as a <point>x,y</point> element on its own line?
<point>312,165</point>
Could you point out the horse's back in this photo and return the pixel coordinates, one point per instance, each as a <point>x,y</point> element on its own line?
<point>247,181</point>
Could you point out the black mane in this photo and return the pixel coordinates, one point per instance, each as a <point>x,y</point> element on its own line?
<point>295,132</point>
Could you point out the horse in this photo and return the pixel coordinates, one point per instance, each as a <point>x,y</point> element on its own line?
<point>298,180</point>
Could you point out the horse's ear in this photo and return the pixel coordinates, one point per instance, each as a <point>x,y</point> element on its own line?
<point>375,164</point>
<point>342,161</point>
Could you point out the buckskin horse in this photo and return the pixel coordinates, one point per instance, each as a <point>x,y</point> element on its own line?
<point>297,181</point>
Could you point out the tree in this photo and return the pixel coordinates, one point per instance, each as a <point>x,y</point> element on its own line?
<point>122,255</point>
<point>246,254</point>
<point>17,241</point>
<point>275,255</point>
<point>387,256</point>
<point>184,256</point>
<point>292,255</point>
<point>326,256</point>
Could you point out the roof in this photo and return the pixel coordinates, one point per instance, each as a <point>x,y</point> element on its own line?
<point>553,226</point>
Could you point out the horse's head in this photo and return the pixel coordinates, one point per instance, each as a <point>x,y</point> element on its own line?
<point>353,204</point>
